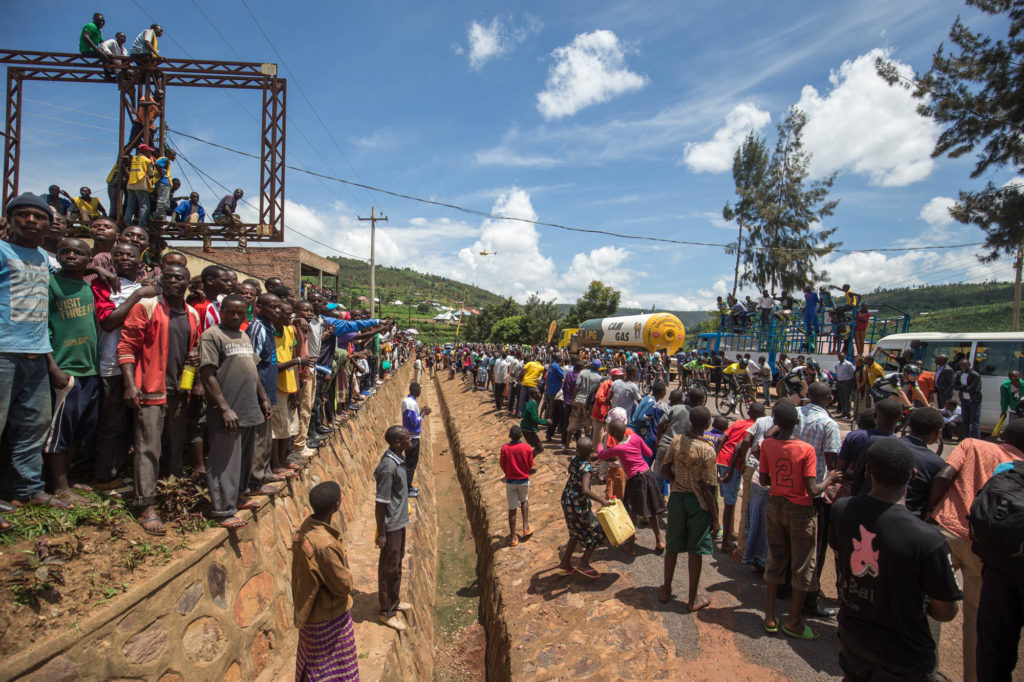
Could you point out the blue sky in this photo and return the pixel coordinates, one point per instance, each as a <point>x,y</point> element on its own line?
<point>621,116</point>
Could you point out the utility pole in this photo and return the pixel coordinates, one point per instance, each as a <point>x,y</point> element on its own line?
<point>1016,288</point>
<point>373,263</point>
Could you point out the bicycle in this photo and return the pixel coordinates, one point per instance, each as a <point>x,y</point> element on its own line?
<point>736,398</point>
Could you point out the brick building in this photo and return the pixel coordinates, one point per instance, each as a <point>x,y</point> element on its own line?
<point>290,263</point>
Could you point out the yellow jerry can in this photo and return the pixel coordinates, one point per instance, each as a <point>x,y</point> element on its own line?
<point>616,522</point>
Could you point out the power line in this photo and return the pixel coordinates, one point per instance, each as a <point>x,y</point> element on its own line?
<point>203,174</point>
<point>303,93</point>
<point>74,123</point>
<point>492,216</point>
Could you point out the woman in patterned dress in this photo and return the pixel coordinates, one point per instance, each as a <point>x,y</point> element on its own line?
<point>584,528</point>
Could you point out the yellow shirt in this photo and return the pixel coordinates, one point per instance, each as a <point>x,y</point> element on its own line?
<point>285,344</point>
<point>875,372</point>
<point>139,174</point>
<point>89,210</point>
<point>531,373</point>
<point>734,368</point>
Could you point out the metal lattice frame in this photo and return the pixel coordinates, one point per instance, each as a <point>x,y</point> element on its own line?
<point>138,81</point>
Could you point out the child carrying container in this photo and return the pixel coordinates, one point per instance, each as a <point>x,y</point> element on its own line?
<point>584,528</point>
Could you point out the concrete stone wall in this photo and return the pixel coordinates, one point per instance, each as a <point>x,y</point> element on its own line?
<point>492,606</point>
<point>224,610</point>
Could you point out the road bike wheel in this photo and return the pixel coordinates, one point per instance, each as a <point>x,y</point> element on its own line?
<point>725,403</point>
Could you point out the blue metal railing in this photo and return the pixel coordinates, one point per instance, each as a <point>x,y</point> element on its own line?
<point>833,333</point>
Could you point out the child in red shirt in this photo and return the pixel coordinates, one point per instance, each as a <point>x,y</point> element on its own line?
<point>788,466</point>
<point>517,461</point>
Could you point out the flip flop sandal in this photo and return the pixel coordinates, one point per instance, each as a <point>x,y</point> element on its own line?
<point>588,573</point>
<point>514,542</point>
<point>771,629</point>
<point>72,498</point>
<point>48,501</point>
<point>563,572</point>
<point>264,490</point>
<point>233,523</point>
<point>248,504</point>
<point>148,525</point>
<point>526,535</point>
<point>5,525</point>
<point>806,634</point>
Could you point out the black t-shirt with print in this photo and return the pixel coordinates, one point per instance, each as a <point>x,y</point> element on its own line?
<point>888,562</point>
<point>179,333</point>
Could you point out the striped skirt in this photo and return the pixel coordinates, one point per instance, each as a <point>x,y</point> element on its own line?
<point>327,651</point>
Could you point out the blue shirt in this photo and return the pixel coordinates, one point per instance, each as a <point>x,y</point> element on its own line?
<point>554,378</point>
<point>341,329</point>
<point>411,417</point>
<point>184,208</point>
<point>262,336</point>
<point>24,299</point>
<point>810,303</point>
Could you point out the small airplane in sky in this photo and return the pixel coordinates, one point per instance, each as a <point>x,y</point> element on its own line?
<point>485,252</point>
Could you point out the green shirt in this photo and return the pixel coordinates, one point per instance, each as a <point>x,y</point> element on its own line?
<point>1009,396</point>
<point>93,32</point>
<point>72,325</point>
<point>531,420</point>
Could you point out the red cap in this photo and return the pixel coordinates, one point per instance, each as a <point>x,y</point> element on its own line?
<point>146,148</point>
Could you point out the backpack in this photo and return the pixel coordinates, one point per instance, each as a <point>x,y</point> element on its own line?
<point>996,521</point>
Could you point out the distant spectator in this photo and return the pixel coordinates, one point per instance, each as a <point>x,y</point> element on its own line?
<point>144,47</point>
<point>190,211</point>
<point>58,200</point>
<point>90,39</point>
<point>225,213</point>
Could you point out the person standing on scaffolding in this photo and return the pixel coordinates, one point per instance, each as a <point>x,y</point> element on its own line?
<point>224,214</point>
<point>144,47</point>
<point>811,325</point>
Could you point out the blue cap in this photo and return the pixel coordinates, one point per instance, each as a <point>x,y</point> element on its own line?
<point>596,364</point>
<point>332,306</point>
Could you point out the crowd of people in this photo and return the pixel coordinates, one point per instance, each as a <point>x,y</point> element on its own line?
<point>117,371</point>
<point>776,488</point>
<point>778,315</point>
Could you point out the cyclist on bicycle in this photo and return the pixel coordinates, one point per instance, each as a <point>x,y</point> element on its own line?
<point>802,376</point>
<point>737,374</point>
<point>902,386</point>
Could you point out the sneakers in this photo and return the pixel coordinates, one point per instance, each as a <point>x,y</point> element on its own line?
<point>404,606</point>
<point>414,492</point>
<point>392,622</point>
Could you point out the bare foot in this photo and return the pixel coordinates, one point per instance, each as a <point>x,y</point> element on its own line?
<point>702,601</point>
<point>664,594</point>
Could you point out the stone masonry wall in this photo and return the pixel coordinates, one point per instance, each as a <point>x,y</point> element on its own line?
<point>492,607</point>
<point>224,611</point>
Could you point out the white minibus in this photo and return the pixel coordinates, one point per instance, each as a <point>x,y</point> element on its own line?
<point>993,355</point>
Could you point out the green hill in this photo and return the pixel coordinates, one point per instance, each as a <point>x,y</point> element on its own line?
<point>952,307</point>
<point>406,283</point>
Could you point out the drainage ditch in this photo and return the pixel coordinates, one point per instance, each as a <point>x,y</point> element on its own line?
<point>460,638</point>
<point>465,516</point>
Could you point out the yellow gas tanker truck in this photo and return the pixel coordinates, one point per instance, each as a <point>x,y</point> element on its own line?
<point>652,332</point>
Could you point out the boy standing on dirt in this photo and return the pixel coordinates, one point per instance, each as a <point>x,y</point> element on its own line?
<point>516,461</point>
<point>531,421</point>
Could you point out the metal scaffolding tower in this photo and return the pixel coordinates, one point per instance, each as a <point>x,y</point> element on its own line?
<point>141,82</point>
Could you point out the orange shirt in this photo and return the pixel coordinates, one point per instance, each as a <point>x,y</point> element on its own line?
<point>975,461</point>
<point>926,382</point>
<point>789,462</point>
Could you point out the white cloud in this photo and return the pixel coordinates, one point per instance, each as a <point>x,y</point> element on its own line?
<point>866,271</point>
<point>936,212</point>
<point>503,156</point>
<point>715,155</point>
<point>866,126</point>
<point>497,38</point>
<point>604,263</point>
<point>515,267</point>
<point>589,70</point>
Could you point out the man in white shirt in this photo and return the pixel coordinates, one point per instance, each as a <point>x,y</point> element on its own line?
<point>765,305</point>
<point>500,378</point>
<point>843,371</point>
